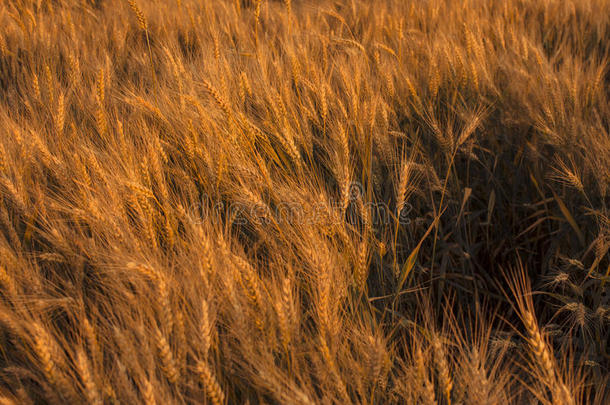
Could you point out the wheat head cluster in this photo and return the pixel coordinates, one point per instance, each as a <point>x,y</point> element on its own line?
<point>304,202</point>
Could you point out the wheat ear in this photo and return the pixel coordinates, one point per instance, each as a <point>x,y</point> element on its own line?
<point>210,384</point>
<point>84,369</point>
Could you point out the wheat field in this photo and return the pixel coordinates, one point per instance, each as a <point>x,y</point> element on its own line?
<point>304,202</point>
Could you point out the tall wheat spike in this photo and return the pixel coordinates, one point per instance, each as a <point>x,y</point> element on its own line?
<point>91,389</point>
<point>211,386</point>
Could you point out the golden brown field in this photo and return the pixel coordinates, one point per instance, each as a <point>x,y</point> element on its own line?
<point>304,202</point>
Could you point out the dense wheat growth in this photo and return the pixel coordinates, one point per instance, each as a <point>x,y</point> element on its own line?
<point>304,202</point>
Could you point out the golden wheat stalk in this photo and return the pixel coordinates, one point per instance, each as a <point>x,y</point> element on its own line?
<point>205,329</point>
<point>46,349</point>
<point>168,362</point>
<point>360,273</point>
<point>143,24</point>
<point>285,312</point>
<point>36,87</point>
<point>92,342</point>
<point>148,393</point>
<point>210,384</point>
<point>84,369</point>
<point>60,114</point>
<point>8,283</point>
<point>50,84</point>
<point>224,106</point>
<point>426,392</point>
<point>257,13</point>
<point>442,367</point>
